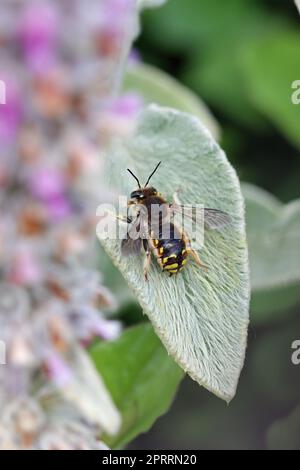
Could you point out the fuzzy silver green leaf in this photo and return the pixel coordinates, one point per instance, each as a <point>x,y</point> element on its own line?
<point>156,86</point>
<point>201,316</point>
<point>149,3</point>
<point>274,238</point>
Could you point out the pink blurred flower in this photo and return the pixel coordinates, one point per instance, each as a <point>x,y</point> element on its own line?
<point>38,29</point>
<point>11,111</point>
<point>115,17</point>
<point>58,208</point>
<point>58,370</point>
<point>47,184</point>
<point>50,305</point>
<point>24,269</point>
<point>134,57</point>
<point>107,329</point>
<point>115,11</point>
<point>87,322</point>
<point>127,105</point>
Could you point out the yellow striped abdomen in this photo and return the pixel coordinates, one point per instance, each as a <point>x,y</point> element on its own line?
<point>171,254</point>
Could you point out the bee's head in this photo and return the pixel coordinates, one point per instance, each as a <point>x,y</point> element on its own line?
<point>141,193</point>
<point>137,195</point>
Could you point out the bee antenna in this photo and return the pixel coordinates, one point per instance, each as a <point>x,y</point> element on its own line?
<point>152,173</point>
<point>134,177</point>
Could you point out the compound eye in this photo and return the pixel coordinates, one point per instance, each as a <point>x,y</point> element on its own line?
<point>137,195</point>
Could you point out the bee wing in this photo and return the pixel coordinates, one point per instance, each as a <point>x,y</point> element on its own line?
<point>131,247</point>
<point>194,220</point>
<point>215,219</point>
<point>138,230</point>
<point>190,219</point>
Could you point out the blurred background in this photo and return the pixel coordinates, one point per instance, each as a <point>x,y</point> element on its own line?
<point>240,57</point>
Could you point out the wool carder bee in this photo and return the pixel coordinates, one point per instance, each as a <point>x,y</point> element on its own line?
<point>153,229</point>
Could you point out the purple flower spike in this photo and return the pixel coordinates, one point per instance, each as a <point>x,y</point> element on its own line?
<point>116,10</point>
<point>127,105</point>
<point>58,208</point>
<point>47,184</point>
<point>39,26</point>
<point>11,111</point>
<point>107,329</point>
<point>58,370</point>
<point>25,270</point>
<point>134,57</point>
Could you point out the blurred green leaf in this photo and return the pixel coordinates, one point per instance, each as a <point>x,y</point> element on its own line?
<point>150,3</point>
<point>284,434</point>
<point>157,87</point>
<point>191,24</point>
<point>274,377</point>
<point>141,378</point>
<point>274,238</point>
<point>201,316</point>
<point>270,67</point>
<point>273,304</point>
<point>211,35</point>
<point>273,232</point>
<point>219,79</point>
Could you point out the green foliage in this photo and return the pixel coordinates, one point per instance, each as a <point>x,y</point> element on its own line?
<point>271,365</point>
<point>273,304</point>
<point>213,36</point>
<point>141,378</point>
<point>220,82</point>
<point>185,24</point>
<point>201,316</point>
<point>150,3</point>
<point>271,66</point>
<point>284,434</point>
<point>273,232</point>
<point>157,87</point>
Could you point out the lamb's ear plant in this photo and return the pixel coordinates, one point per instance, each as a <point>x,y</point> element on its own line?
<point>149,3</point>
<point>156,86</point>
<point>201,316</point>
<point>273,236</point>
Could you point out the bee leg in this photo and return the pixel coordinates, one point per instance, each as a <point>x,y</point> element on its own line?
<point>197,259</point>
<point>125,220</point>
<point>121,218</point>
<point>147,260</point>
<point>192,252</point>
